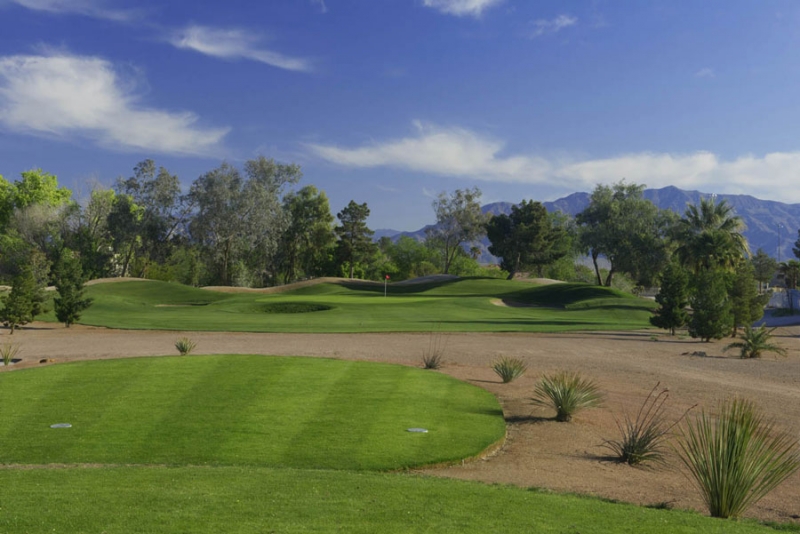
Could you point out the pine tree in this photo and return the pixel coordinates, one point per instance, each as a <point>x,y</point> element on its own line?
<point>355,237</point>
<point>746,304</point>
<point>69,282</point>
<point>673,298</point>
<point>24,302</point>
<point>711,316</point>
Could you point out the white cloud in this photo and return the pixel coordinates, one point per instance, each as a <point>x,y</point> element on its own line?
<point>462,8</point>
<point>233,44</point>
<point>89,8</point>
<point>63,95</point>
<point>705,72</point>
<point>436,150</point>
<point>459,152</point>
<point>543,26</point>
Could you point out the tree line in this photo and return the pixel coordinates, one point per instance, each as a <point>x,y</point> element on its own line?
<point>254,226</point>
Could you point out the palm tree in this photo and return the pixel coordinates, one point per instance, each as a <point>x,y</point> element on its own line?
<point>710,235</point>
<point>755,342</point>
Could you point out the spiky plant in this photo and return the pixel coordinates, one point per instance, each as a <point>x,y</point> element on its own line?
<point>567,392</point>
<point>8,352</point>
<point>509,369</point>
<point>756,341</point>
<point>433,357</point>
<point>185,346</point>
<point>736,458</point>
<point>644,437</point>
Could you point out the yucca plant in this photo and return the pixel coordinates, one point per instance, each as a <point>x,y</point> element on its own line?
<point>185,346</point>
<point>433,357</point>
<point>567,392</point>
<point>8,352</point>
<point>509,369</point>
<point>736,458</point>
<point>756,341</point>
<point>644,438</point>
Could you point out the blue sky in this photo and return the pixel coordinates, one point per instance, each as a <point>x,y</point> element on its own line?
<point>392,101</point>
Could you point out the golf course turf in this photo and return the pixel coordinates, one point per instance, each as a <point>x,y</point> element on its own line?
<point>244,410</point>
<point>251,444</point>
<point>155,500</point>
<point>464,305</point>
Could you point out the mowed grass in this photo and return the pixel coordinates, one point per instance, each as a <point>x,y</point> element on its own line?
<point>243,410</point>
<point>455,306</point>
<point>133,500</point>
<point>253,444</point>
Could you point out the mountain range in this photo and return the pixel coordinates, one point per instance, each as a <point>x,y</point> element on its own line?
<point>771,226</point>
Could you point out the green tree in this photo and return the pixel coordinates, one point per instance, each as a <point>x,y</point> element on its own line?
<point>765,267</point>
<point>355,237</point>
<point>630,231</point>
<point>527,238</point>
<point>238,219</point>
<point>673,297</point>
<point>156,195</point>
<point>411,258</point>
<point>308,241</point>
<point>790,272</point>
<point>710,236</point>
<point>746,303</point>
<point>711,308</point>
<point>91,238</point>
<point>124,226</point>
<point>459,220</point>
<point>24,302</point>
<point>69,281</point>
<point>795,248</point>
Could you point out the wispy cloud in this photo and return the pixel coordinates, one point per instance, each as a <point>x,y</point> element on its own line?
<point>90,8</point>
<point>321,5</point>
<point>64,95</point>
<point>233,43</point>
<point>462,8</point>
<point>459,152</point>
<point>705,72</point>
<point>437,150</point>
<point>544,26</point>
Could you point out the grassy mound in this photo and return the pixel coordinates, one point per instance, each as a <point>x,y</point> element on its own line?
<point>243,410</point>
<point>451,305</point>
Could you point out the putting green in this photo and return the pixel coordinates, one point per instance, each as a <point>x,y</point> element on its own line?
<point>453,306</point>
<point>243,410</point>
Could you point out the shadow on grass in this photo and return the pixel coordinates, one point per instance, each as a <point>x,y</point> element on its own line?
<point>500,322</point>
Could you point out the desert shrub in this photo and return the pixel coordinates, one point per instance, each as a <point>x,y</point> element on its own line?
<point>8,352</point>
<point>185,346</point>
<point>509,369</point>
<point>567,392</point>
<point>754,342</point>
<point>643,438</point>
<point>736,458</point>
<point>433,356</point>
